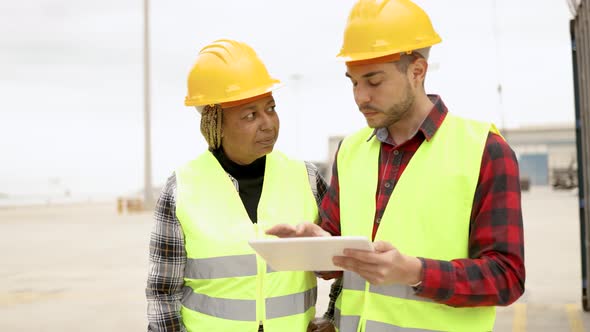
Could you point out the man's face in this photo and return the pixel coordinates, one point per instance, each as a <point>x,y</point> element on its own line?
<point>382,93</point>
<point>250,130</point>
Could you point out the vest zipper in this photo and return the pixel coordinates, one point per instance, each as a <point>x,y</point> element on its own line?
<point>261,271</point>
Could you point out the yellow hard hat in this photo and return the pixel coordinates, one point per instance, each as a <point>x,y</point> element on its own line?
<point>227,71</point>
<point>378,28</point>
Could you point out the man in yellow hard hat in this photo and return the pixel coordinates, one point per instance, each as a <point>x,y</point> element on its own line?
<point>438,194</point>
<point>203,275</point>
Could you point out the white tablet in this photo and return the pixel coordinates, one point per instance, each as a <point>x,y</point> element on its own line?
<point>307,253</point>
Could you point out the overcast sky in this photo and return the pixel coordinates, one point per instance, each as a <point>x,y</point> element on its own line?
<point>71,78</point>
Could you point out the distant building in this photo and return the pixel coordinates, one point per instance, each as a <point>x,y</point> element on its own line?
<point>540,151</point>
<point>543,151</point>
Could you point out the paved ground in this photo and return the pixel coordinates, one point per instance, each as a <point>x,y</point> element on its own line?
<point>83,267</point>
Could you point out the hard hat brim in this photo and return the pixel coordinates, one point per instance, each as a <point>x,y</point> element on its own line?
<point>252,94</point>
<point>352,57</point>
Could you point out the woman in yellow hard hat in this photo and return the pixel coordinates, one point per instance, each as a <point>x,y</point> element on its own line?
<point>203,274</point>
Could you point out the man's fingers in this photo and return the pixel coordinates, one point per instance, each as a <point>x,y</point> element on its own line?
<point>370,257</point>
<point>299,230</point>
<point>282,230</point>
<point>382,246</point>
<point>373,273</point>
<point>351,264</point>
<point>311,230</point>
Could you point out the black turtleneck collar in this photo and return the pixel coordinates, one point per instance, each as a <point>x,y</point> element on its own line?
<point>250,179</point>
<point>251,171</point>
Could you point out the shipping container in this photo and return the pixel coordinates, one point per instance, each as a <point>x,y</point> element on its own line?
<point>580,37</point>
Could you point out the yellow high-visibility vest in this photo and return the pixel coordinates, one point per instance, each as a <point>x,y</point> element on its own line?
<point>428,215</point>
<point>226,286</point>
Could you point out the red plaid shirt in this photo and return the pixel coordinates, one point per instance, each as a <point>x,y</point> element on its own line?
<point>494,273</point>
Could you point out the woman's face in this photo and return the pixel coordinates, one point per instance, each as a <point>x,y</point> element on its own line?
<point>249,131</point>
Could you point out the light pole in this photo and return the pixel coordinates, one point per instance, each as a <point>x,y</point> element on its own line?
<point>148,193</point>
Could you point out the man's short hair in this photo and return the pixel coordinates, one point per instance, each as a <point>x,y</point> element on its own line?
<point>406,59</point>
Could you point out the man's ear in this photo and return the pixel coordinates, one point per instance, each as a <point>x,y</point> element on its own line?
<point>417,71</point>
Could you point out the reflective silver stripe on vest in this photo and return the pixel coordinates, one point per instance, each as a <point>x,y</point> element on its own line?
<point>220,267</point>
<point>350,324</point>
<point>401,291</point>
<point>346,323</point>
<point>353,281</point>
<point>243,310</point>
<point>373,326</point>
<point>293,304</point>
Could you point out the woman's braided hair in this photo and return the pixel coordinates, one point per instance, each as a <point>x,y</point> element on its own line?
<point>211,119</point>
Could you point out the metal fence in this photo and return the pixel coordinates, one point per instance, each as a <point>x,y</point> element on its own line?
<point>580,34</point>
